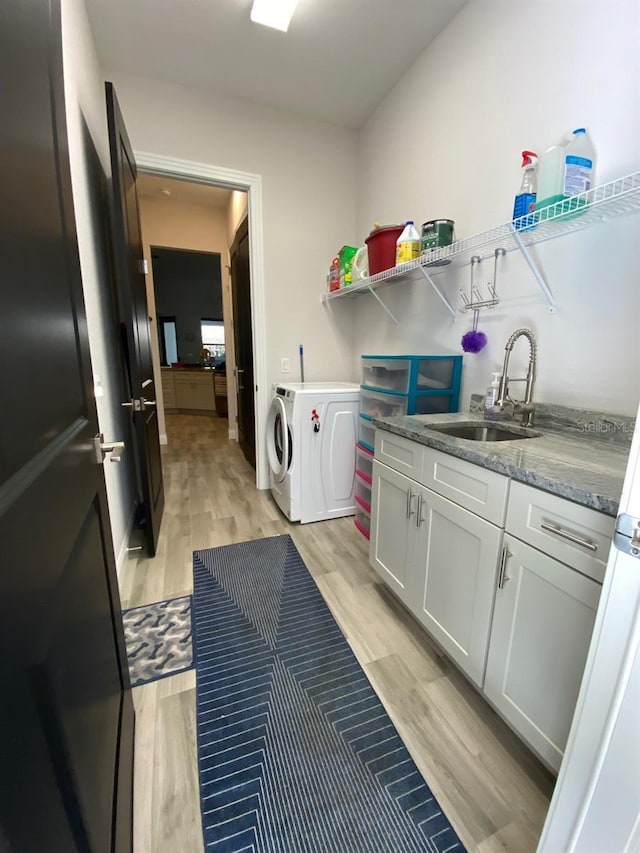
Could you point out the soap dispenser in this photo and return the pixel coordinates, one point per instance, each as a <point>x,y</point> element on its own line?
<point>491,410</point>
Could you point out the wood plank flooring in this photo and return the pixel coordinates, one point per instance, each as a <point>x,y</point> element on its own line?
<point>491,787</point>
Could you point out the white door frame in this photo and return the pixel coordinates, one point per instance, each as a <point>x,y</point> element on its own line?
<point>596,801</point>
<point>252,184</point>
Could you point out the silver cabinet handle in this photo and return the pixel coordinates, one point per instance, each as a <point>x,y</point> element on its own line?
<point>502,576</point>
<point>420,519</point>
<point>570,537</point>
<point>410,497</point>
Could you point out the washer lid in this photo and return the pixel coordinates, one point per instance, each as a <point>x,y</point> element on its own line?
<point>278,443</point>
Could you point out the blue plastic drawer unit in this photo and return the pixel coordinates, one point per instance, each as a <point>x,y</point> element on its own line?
<point>409,384</point>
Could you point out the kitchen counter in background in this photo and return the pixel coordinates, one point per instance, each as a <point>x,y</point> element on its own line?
<point>580,455</point>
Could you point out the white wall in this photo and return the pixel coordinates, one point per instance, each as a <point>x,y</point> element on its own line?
<point>308,188</point>
<point>172,224</point>
<point>85,106</point>
<point>446,142</point>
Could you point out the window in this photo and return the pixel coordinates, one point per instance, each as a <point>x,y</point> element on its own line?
<point>168,341</point>
<point>213,337</point>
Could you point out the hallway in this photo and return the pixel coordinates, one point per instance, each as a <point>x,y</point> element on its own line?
<point>493,790</point>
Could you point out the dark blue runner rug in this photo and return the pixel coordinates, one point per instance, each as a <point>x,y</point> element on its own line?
<point>295,751</point>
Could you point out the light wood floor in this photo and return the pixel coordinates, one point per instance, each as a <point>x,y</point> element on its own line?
<point>493,790</point>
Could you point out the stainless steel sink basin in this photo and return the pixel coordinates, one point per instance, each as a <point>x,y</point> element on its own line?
<point>480,432</point>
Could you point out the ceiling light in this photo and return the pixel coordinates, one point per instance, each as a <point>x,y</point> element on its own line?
<point>273,13</point>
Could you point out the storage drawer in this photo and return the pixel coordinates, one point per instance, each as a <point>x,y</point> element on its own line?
<point>379,405</point>
<point>437,372</point>
<point>399,453</point>
<point>362,520</point>
<point>471,486</point>
<point>366,432</point>
<point>364,463</point>
<point>363,493</point>
<point>388,374</point>
<point>576,535</point>
<point>433,404</point>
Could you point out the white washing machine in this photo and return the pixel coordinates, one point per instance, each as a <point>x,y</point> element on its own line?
<point>311,436</point>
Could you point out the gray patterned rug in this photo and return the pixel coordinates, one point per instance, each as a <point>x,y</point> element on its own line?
<point>295,751</point>
<point>158,638</point>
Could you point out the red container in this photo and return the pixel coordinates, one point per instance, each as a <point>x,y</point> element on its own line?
<point>381,247</point>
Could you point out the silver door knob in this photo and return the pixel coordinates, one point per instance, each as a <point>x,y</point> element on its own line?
<point>146,404</point>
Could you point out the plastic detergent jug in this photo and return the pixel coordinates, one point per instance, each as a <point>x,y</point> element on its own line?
<point>579,163</point>
<point>408,244</point>
<point>550,177</point>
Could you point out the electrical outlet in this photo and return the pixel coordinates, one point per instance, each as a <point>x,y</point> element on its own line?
<point>285,366</point>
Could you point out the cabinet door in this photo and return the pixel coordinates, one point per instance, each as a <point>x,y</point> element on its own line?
<point>456,563</point>
<point>183,393</point>
<point>542,626</point>
<point>393,506</point>
<point>202,393</point>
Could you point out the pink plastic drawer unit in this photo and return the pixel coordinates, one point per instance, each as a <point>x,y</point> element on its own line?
<point>377,405</point>
<point>363,493</point>
<point>366,432</point>
<point>364,463</point>
<point>362,520</point>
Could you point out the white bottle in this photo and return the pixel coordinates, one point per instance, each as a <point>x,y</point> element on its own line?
<point>550,177</point>
<point>408,244</point>
<point>491,411</point>
<point>579,163</point>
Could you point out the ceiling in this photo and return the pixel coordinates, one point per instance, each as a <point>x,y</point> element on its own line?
<point>336,63</point>
<point>163,190</point>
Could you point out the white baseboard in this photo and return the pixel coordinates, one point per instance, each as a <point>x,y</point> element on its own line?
<point>163,438</point>
<point>233,433</point>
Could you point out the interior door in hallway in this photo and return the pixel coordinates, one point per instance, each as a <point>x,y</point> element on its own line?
<point>134,321</point>
<point>243,335</point>
<point>66,753</point>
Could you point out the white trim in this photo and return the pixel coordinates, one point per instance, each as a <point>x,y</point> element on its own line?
<point>163,438</point>
<point>252,183</point>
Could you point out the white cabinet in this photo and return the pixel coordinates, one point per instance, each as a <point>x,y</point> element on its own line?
<point>544,613</point>
<point>456,559</point>
<point>439,558</point>
<point>194,391</point>
<point>168,388</point>
<point>517,619</point>
<point>393,530</point>
<point>542,624</point>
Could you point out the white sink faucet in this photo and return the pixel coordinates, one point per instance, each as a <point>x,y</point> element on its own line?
<point>504,398</point>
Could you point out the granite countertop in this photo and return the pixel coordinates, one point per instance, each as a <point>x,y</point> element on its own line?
<point>578,455</point>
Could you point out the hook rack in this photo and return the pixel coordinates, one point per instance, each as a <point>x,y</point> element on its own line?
<point>476,302</point>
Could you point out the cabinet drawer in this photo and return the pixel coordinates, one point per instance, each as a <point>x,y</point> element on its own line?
<point>399,453</point>
<point>576,535</point>
<point>471,486</point>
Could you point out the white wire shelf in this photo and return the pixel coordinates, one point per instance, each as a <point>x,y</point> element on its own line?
<point>607,201</point>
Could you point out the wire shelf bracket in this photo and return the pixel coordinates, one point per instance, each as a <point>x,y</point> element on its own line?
<point>535,269</point>
<point>381,303</point>
<point>444,299</point>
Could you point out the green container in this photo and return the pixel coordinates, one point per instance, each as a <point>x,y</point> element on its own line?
<point>436,233</point>
<point>345,258</point>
